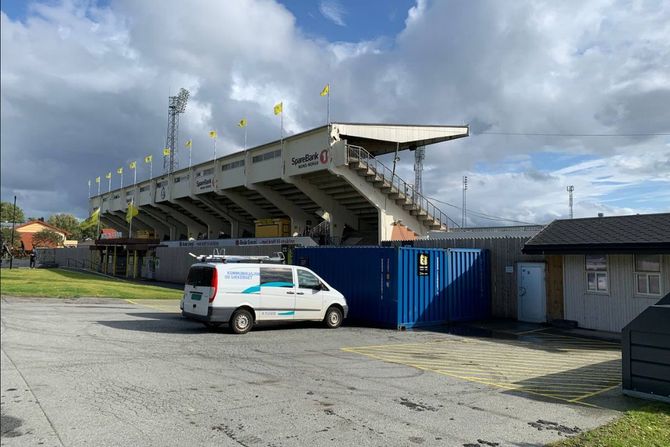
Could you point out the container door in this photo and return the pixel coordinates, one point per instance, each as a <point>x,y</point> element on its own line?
<point>277,297</point>
<point>532,298</point>
<point>309,296</point>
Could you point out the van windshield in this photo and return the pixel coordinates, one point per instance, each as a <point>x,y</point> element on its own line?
<point>200,277</point>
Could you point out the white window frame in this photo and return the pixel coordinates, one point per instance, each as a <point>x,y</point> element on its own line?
<point>597,273</point>
<point>637,273</point>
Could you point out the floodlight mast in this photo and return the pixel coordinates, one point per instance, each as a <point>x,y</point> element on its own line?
<point>176,106</point>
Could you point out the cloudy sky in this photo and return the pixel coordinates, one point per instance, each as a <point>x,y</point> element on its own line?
<point>556,93</point>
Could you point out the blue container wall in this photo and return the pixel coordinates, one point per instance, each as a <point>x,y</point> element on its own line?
<point>468,279</point>
<point>383,287</point>
<point>421,299</point>
<point>366,276</point>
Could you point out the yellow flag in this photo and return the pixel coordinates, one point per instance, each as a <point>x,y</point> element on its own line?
<point>279,108</point>
<point>212,134</point>
<point>97,180</point>
<point>148,158</point>
<point>92,219</point>
<point>133,165</point>
<point>108,175</point>
<point>326,90</point>
<point>132,212</point>
<point>243,123</point>
<point>189,143</point>
<point>119,171</point>
<point>166,151</point>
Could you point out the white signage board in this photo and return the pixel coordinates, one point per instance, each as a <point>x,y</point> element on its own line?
<point>214,243</point>
<point>205,180</point>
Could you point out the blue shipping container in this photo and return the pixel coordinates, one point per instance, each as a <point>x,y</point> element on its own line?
<point>403,287</point>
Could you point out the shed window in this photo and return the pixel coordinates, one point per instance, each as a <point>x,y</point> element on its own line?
<point>648,274</point>
<point>596,273</point>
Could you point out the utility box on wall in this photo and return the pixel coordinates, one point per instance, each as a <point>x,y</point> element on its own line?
<point>404,287</point>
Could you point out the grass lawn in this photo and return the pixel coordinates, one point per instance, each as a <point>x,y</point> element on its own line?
<point>59,283</point>
<point>646,426</point>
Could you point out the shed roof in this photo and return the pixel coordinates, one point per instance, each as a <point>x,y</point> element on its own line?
<point>640,233</point>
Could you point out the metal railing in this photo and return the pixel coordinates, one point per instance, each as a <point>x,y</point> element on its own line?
<point>84,264</point>
<point>386,175</point>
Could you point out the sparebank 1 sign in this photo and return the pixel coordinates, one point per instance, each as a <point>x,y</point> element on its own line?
<point>205,180</point>
<point>310,161</point>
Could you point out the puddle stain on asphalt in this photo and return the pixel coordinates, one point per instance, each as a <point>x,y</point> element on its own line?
<point>541,424</point>
<point>10,426</point>
<point>416,406</point>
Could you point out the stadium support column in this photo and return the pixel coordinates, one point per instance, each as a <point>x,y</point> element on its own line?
<point>157,216</point>
<point>297,215</point>
<point>193,227</point>
<point>235,220</point>
<point>338,216</point>
<point>247,205</point>
<point>106,221</point>
<point>160,228</point>
<point>119,223</point>
<point>214,224</point>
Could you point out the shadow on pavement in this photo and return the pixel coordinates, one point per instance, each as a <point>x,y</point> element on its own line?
<point>174,323</point>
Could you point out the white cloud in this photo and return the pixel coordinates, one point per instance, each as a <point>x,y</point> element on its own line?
<point>333,11</point>
<point>84,89</point>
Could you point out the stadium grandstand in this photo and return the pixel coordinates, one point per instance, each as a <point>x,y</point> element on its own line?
<point>326,183</point>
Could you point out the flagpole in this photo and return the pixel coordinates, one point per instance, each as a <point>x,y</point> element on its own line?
<point>109,183</point>
<point>245,137</point>
<point>97,236</point>
<point>151,168</point>
<point>190,151</point>
<point>135,176</point>
<point>121,179</point>
<point>281,125</point>
<point>328,106</point>
<point>130,224</point>
<point>98,187</point>
<point>215,138</point>
<point>89,189</point>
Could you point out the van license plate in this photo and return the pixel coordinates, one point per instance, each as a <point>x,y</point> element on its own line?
<point>196,296</point>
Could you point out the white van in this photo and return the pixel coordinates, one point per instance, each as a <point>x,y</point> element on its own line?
<point>220,290</point>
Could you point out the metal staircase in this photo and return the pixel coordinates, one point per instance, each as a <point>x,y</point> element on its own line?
<point>403,193</point>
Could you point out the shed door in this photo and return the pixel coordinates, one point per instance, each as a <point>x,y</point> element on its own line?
<point>532,298</point>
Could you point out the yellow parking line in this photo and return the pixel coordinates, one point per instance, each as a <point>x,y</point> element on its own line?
<point>560,369</point>
<point>597,392</point>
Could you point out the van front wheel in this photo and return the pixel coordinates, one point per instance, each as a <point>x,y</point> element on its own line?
<point>333,317</point>
<point>241,322</point>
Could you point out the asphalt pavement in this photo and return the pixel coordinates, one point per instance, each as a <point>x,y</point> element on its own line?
<point>107,372</point>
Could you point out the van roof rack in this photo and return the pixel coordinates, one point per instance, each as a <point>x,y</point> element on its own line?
<point>278,258</point>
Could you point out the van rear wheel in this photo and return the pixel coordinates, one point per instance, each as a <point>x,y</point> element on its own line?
<point>241,322</point>
<point>333,318</point>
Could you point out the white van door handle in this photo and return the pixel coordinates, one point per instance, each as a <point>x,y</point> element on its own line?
<point>300,293</point>
<point>290,293</point>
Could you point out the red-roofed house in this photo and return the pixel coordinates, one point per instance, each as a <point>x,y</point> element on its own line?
<point>27,230</point>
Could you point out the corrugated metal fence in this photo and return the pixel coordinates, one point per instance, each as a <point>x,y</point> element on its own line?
<point>174,262</point>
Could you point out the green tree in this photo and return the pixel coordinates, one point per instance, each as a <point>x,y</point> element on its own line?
<point>88,233</point>
<point>47,238</point>
<point>7,237</point>
<point>66,222</point>
<point>6,210</point>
